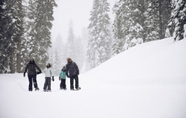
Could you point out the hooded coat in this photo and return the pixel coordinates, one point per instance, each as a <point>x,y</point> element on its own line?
<point>48,72</point>
<point>31,68</point>
<point>72,69</point>
<point>62,74</point>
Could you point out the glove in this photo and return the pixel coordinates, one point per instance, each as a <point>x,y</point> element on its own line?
<point>23,74</point>
<point>52,78</point>
<point>39,72</point>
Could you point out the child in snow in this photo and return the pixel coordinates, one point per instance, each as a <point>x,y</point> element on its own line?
<point>48,74</point>
<point>62,77</point>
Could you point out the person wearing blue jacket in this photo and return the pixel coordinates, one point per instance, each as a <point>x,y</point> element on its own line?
<point>62,77</point>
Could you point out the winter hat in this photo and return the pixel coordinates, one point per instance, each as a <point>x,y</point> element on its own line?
<point>69,59</point>
<point>48,65</point>
<point>32,61</point>
<point>64,68</point>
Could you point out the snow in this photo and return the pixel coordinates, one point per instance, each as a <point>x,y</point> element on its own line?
<point>145,81</point>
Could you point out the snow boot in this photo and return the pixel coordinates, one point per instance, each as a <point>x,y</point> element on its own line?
<point>78,88</point>
<point>36,89</point>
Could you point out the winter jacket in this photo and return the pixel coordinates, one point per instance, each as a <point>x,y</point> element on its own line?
<point>72,69</point>
<point>62,75</point>
<point>31,68</point>
<point>48,72</point>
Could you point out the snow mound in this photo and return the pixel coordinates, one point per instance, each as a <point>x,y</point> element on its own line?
<point>146,81</point>
<point>161,61</point>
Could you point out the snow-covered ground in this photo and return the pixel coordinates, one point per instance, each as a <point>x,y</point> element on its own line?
<point>146,81</point>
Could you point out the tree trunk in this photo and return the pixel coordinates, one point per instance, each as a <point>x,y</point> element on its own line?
<point>160,21</point>
<point>18,52</point>
<point>12,62</point>
<point>18,58</point>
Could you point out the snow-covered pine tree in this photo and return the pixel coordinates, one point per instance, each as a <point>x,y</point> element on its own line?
<point>11,35</point>
<point>19,13</point>
<point>128,23</point>
<point>118,42</point>
<point>41,18</point>
<point>84,37</point>
<point>142,19</point>
<point>61,47</point>
<point>5,33</point>
<point>99,44</point>
<point>56,65</point>
<point>157,17</point>
<point>70,42</point>
<point>79,52</point>
<point>178,16</point>
<point>93,32</point>
<point>25,45</point>
<point>57,54</point>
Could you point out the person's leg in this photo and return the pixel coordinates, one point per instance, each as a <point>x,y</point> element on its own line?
<point>45,84</point>
<point>61,84</point>
<point>35,82</point>
<point>76,82</point>
<point>49,83</point>
<point>71,83</point>
<point>30,83</point>
<point>64,83</point>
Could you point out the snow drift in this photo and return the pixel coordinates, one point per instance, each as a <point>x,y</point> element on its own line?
<point>146,81</point>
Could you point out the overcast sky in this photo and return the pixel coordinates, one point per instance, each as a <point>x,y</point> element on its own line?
<point>76,10</point>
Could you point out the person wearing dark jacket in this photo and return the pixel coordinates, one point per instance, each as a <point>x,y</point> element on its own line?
<point>32,73</point>
<point>72,72</point>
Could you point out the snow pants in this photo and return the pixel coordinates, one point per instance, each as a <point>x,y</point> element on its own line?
<point>63,84</point>
<point>72,78</point>
<point>47,84</point>
<point>32,78</point>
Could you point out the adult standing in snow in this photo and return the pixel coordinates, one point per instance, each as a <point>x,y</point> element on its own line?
<point>48,76</point>
<point>72,72</point>
<point>32,73</point>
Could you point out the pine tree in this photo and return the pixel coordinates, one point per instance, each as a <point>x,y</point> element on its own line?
<point>57,55</point>
<point>56,65</point>
<point>25,46</point>
<point>158,15</point>
<point>179,18</point>
<point>79,52</point>
<point>11,34</point>
<point>84,37</point>
<point>40,16</point>
<point>118,43</point>
<point>141,19</point>
<point>99,34</point>
<point>128,24</point>
<point>20,35</point>
<point>71,42</point>
<point>19,29</point>
<point>85,65</point>
<point>4,46</point>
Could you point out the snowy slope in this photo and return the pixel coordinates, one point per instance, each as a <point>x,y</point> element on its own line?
<point>146,81</point>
